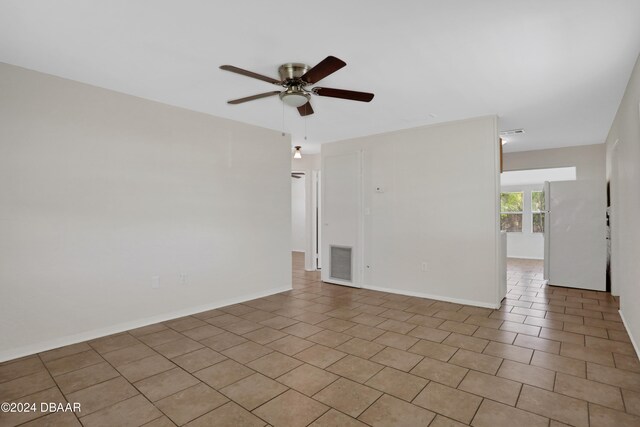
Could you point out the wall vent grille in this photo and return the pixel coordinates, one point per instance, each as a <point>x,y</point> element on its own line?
<point>341,263</point>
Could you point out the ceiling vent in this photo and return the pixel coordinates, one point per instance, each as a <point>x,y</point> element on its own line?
<point>511,132</point>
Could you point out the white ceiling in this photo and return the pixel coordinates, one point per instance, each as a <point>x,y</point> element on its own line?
<point>558,69</point>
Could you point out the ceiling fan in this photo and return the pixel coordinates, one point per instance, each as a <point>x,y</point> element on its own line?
<point>294,78</point>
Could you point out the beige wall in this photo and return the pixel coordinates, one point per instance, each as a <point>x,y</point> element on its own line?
<point>623,170</point>
<point>100,192</point>
<point>589,161</point>
<point>438,205</point>
<point>308,162</point>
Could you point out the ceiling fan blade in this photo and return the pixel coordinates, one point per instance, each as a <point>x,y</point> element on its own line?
<point>305,110</point>
<point>327,66</point>
<point>249,74</point>
<point>251,98</point>
<point>344,94</point>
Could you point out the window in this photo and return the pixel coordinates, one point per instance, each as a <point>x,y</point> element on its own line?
<point>511,205</point>
<point>537,216</point>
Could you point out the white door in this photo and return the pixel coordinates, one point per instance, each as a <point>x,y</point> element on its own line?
<point>576,236</point>
<point>341,218</point>
<point>547,240</point>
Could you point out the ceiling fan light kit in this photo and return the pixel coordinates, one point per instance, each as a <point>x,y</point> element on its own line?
<point>294,97</point>
<point>295,77</point>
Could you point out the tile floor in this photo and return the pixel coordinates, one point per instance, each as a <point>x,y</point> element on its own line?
<point>325,355</point>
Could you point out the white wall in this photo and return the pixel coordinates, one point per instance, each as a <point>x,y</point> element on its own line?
<point>439,206</point>
<point>526,244</point>
<point>101,191</point>
<point>298,214</point>
<point>623,161</point>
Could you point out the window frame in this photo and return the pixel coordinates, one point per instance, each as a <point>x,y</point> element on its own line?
<point>534,212</point>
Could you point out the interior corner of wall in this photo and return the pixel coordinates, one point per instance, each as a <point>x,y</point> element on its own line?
<point>630,332</point>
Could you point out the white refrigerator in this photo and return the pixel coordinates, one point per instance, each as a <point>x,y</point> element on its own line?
<point>575,246</point>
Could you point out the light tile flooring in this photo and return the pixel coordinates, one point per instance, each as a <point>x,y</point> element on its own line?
<point>325,355</point>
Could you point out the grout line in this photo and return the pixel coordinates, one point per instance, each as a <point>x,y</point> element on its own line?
<point>371,294</point>
<point>373,403</point>
<point>515,405</point>
<point>75,370</point>
<point>314,420</point>
<point>56,386</point>
<point>478,409</point>
<point>137,389</point>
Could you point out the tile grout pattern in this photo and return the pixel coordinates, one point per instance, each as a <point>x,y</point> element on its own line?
<point>326,355</point>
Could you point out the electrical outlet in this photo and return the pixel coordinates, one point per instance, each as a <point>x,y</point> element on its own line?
<point>155,282</point>
<point>183,279</point>
<point>423,266</point>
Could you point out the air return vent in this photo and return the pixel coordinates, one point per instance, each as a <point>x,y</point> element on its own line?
<point>340,263</point>
<point>511,132</point>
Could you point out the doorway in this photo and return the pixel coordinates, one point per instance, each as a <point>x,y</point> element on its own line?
<point>298,212</point>
<point>306,217</point>
<point>316,219</point>
<point>523,209</point>
<point>613,200</point>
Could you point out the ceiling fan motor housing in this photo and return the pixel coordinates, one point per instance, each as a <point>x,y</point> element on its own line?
<point>292,71</point>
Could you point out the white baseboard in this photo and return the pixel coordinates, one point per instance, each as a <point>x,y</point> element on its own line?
<point>125,326</point>
<point>435,297</point>
<point>626,326</point>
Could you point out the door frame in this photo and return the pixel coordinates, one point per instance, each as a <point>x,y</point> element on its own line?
<point>316,220</point>
<point>614,189</point>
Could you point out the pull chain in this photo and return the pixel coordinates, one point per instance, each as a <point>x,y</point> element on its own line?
<point>282,118</point>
